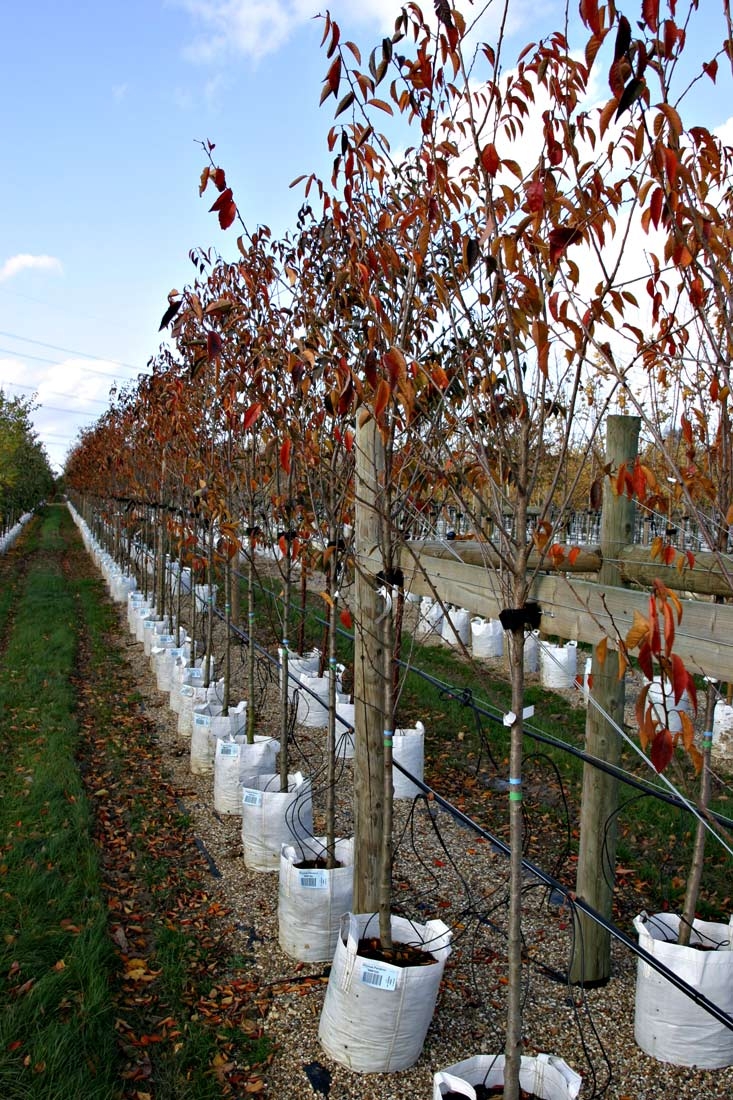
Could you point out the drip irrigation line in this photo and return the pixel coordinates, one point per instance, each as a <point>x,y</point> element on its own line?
<point>578,903</point>
<point>465,696</point>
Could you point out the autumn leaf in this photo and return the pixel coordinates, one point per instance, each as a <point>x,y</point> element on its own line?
<point>662,750</point>
<point>638,632</point>
<point>490,159</point>
<point>213,345</point>
<point>285,456</point>
<point>170,314</point>
<point>602,650</point>
<point>346,620</point>
<point>251,416</point>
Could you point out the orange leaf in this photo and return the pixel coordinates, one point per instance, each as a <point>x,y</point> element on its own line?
<point>346,619</point>
<point>638,632</point>
<point>285,456</point>
<point>573,555</point>
<point>251,415</point>
<point>381,399</point>
<point>602,650</point>
<point>490,159</point>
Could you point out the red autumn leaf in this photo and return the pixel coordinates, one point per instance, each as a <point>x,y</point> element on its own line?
<point>220,180</point>
<point>590,15</point>
<point>251,415</point>
<point>535,193</point>
<point>662,750</point>
<point>650,14</point>
<point>490,159</point>
<point>573,555</point>
<point>285,456</point>
<point>645,661</point>
<point>679,677</point>
<point>711,68</point>
<point>349,441</point>
<point>346,620</point>
<point>560,239</point>
<point>395,365</point>
<point>213,345</point>
<point>668,555</point>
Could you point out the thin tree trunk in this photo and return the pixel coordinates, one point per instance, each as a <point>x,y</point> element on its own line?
<point>694,877</point>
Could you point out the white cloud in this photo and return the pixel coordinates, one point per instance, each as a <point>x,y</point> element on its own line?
<point>258,27</point>
<point>24,261</point>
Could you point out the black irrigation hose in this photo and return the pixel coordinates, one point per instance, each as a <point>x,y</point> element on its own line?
<point>464,695</point>
<point>554,884</point>
<point>548,880</point>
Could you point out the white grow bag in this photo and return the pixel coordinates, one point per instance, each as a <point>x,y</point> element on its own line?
<point>558,665</point>
<point>457,626</point>
<point>408,747</point>
<point>722,749</point>
<point>667,1024</point>
<point>236,764</point>
<point>430,619</point>
<point>271,818</point>
<point>375,1016</point>
<point>311,901</point>
<point>661,697</point>
<point>297,665</point>
<point>313,709</point>
<point>543,1076</point>
<point>210,725</point>
<point>487,638</point>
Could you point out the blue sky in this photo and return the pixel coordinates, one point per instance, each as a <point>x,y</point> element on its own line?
<point>102,108</point>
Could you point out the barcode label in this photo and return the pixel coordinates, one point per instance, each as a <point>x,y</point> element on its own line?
<point>251,797</point>
<point>314,880</point>
<point>165,639</point>
<point>195,673</point>
<point>201,720</point>
<point>187,691</point>
<point>228,749</point>
<point>379,975</point>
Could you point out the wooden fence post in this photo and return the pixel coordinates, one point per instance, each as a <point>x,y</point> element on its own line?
<point>368,675</point>
<point>591,963</point>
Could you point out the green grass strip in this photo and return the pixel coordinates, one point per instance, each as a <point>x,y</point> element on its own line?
<point>57,1037</point>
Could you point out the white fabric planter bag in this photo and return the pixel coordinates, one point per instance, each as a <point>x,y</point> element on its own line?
<point>152,629</point>
<point>143,616</point>
<point>160,644</point>
<point>375,1016</point>
<point>202,594</point>
<point>487,638</point>
<point>209,725</point>
<point>271,818</point>
<point>137,606</point>
<point>184,675</point>
<point>667,1025</point>
<point>257,758</point>
<point>408,747</point>
<point>456,625</point>
<point>311,902</point>
<point>558,665</point>
<point>298,665</point>
<point>313,709</point>
<point>723,732</point>
<point>195,695</point>
<point>660,693</point>
<point>532,652</point>
<point>344,735</point>
<point>236,764</point>
<point>543,1076</point>
<point>430,619</point>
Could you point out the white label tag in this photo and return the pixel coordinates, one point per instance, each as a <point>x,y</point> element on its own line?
<point>227,748</point>
<point>313,880</point>
<point>251,797</point>
<point>379,975</point>
<point>196,673</point>
<point>187,691</point>
<point>202,720</point>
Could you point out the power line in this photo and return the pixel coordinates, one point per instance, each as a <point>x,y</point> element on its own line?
<point>57,363</point>
<point>68,351</point>
<point>53,393</point>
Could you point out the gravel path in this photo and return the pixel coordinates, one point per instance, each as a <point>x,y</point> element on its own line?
<point>441,870</point>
